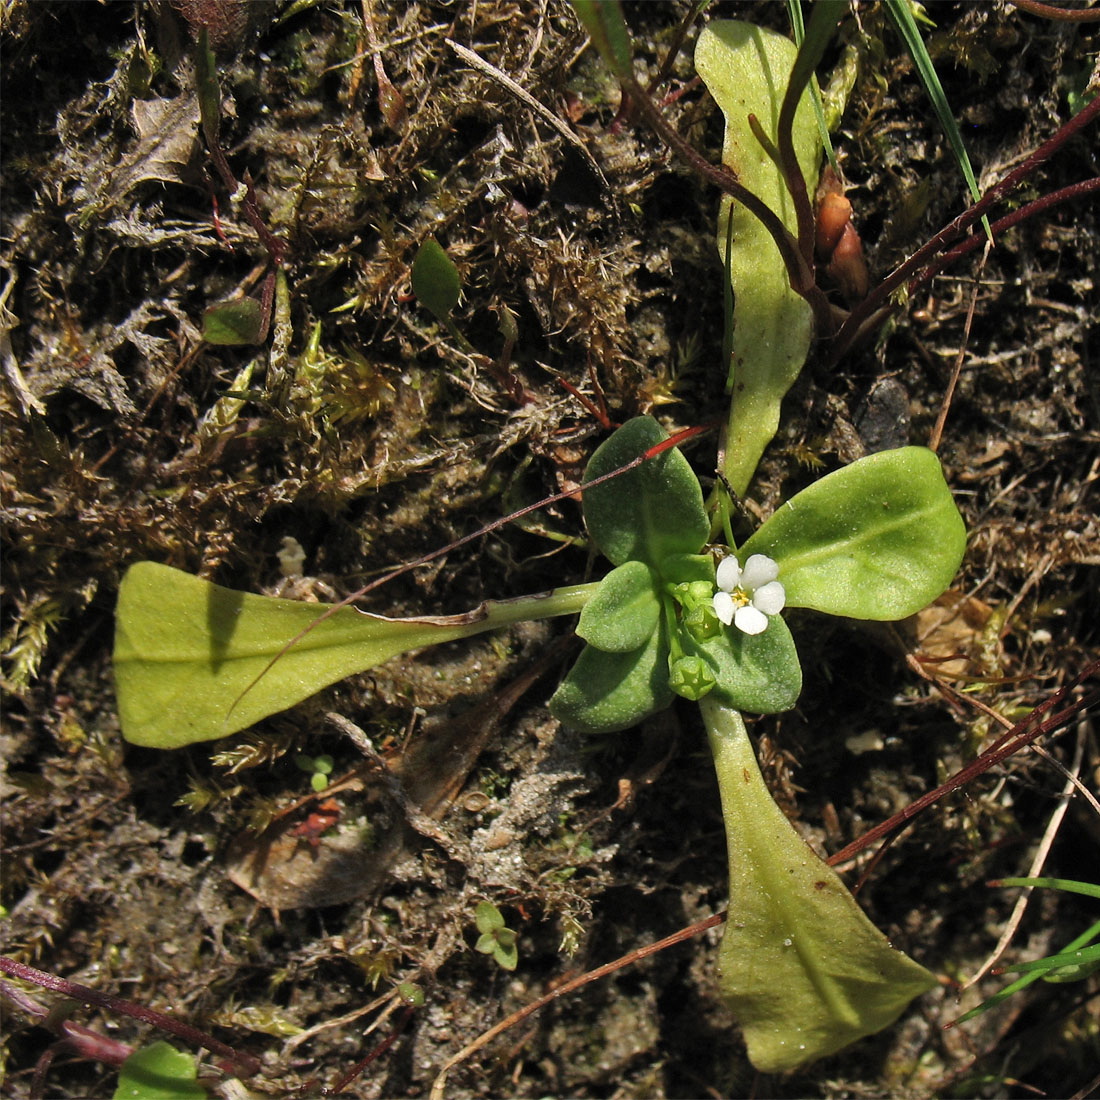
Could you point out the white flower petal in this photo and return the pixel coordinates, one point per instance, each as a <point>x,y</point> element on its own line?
<point>729,574</point>
<point>759,570</point>
<point>770,598</point>
<point>749,620</point>
<point>723,607</point>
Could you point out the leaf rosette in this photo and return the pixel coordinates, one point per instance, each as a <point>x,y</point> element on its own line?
<point>879,539</point>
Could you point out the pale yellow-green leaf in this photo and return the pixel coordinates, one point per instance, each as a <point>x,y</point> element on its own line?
<point>746,69</point>
<point>801,967</point>
<point>191,658</point>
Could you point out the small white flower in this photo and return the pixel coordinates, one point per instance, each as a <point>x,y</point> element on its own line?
<point>746,597</point>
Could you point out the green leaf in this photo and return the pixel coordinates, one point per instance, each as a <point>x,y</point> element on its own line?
<point>624,610</point>
<point>801,967</point>
<point>435,279</point>
<point>158,1072</point>
<point>488,917</point>
<point>605,692</point>
<point>1070,886</point>
<point>233,323</point>
<point>506,952</point>
<point>758,673</point>
<point>190,656</point>
<point>603,20</point>
<point>746,68</point>
<point>650,512</point>
<point>206,83</point>
<point>794,10</point>
<point>879,539</point>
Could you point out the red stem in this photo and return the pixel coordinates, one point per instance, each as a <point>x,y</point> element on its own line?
<point>1010,742</point>
<point>91,996</point>
<point>878,297</point>
<point>975,240</point>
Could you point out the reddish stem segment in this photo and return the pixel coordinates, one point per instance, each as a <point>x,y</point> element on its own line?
<point>91,996</point>
<point>1010,742</point>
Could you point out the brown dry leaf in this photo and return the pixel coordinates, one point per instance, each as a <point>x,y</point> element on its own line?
<point>951,628</point>
<point>283,871</point>
<point>167,132</point>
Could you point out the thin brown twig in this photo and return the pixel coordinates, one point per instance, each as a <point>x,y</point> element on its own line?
<point>945,405</point>
<point>1035,725</point>
<point>1037,862</point>
<point>476,61</point>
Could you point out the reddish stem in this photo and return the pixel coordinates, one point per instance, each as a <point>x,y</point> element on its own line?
<point>91,996</point>
<point>878,297</point>
<point>1010,742</point>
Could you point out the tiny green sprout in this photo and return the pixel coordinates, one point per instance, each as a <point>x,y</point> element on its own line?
<point>496,939</point>
<point>411,994</point>
<point>319,768</point>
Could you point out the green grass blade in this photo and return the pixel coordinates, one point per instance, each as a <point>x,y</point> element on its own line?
<point>1083,958</point>
<point>794,8</point>
<point>902,15</point>
<point>1089,889</point>
<point>1033,976</point>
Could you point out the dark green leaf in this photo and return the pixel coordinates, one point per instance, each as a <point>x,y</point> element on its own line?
<point>206,82</point>
<point>233,323</point>
<point>758,673</point>
<point>605,692</point>
<point>624,611</point>
<point>650,512</point>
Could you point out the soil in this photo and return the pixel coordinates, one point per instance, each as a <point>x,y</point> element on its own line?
<point>128,438</point>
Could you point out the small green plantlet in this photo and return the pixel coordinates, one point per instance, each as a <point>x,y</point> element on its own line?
<point>496,939</point>
<point>411,994</point>
<point>318,768</point>
<point>158,1072</point>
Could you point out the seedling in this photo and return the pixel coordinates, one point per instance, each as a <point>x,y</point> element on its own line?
<point>496,938</point>
<point>318,768</point>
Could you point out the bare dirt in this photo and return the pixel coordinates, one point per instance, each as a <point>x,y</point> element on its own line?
<point>127,438</point>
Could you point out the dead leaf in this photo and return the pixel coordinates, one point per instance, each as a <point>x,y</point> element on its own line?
<point>167,132</point>
<point>951,628</point>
